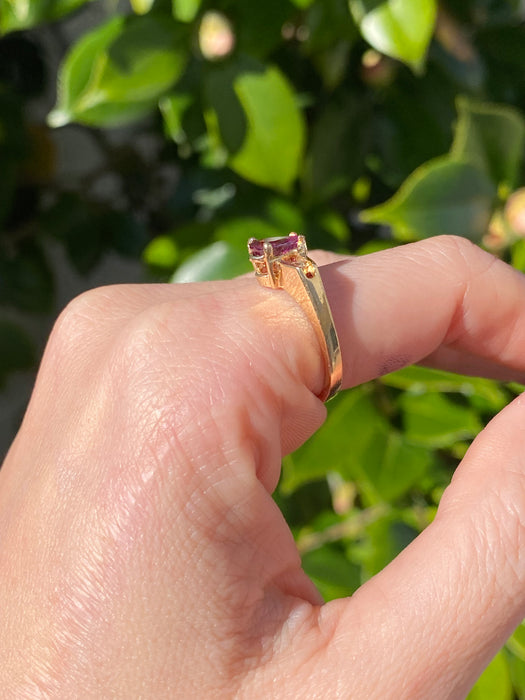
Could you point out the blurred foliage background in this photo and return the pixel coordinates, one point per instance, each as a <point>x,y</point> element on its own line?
<point>169,131</point>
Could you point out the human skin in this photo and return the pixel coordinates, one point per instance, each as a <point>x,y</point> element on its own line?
<point>142,555</point>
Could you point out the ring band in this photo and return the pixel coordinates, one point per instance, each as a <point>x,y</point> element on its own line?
<point>283,263</point>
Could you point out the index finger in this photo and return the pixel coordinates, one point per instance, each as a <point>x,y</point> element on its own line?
<point>443,301</point>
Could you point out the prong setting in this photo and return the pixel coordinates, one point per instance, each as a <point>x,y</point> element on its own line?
<point>268,254</point>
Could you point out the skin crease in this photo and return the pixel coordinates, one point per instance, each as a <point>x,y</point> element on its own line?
<point>142,554</point>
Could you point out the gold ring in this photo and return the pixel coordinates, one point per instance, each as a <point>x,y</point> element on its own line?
<point>283,263</point>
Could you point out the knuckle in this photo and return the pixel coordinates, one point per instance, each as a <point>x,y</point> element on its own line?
<point>79,319</point>
<point>180,359</point>
<point>154,349</point>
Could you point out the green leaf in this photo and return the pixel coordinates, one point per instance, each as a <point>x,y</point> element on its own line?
<point>23,14</point>
<point>419,380</point>
<point>492,137</point>
<point>494,683</point>
<point>518,254</point>
<point>302,4</point>
<point>185,10</point>
<point>220,260</point>
<point>412,124</point>
<point>357,443</point>
<point>401,467</point>
<point>16,349</point>
<point>516,642</point>
<point>227,257</point>
<point>398,28</point>
<point>330,29</point>
<point>142,62</point>
<point>254,114</point>
<point>331,572</point>
<point>442,196</point>
<point>272,151</point>
<point>284,215</point>
<point>142,7</point>
<point>76,71</point>
<point>117,72</point>
<point>238,231</point>
<point>354,436</point>
<point>338,145</point>
<point>258,25</point>
<point>435,421</point>
<point>385,538</point>
<point>161,252</point>
<point>173,108</point>
<point>517,673</point>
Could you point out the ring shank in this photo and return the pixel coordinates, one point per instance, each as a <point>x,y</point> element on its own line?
<point>308,291</point>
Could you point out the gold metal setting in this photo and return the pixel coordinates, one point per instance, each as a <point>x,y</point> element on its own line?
<point>283,263</point>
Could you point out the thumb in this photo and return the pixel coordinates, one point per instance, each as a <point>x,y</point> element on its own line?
<point>447,604</point>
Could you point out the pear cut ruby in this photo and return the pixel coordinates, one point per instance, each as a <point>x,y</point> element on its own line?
<point>280,246</point>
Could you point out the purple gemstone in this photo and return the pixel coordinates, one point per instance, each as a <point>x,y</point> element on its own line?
<point>280,246</point>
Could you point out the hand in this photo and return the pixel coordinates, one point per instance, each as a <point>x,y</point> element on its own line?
<point>142,555</point>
